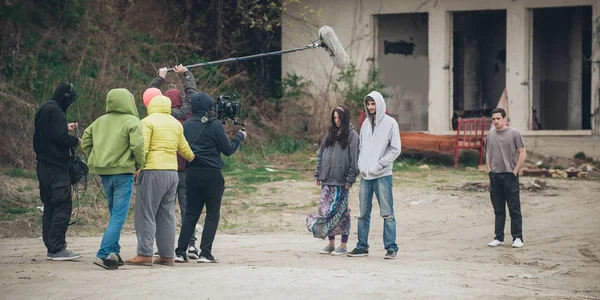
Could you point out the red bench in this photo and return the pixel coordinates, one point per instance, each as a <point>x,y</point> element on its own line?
<point>470,134</point>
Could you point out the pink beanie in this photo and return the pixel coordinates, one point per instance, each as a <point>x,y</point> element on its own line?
<point>149,94</point>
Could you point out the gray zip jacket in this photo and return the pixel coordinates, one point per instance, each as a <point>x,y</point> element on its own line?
<point>337,166</point>
<point>379,143</point>
<point>189,85</point>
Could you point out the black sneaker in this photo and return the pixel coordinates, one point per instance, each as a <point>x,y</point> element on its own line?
<point>120,260</point>
<point>156,254</point>
<point>109,263</point>
<point>391,254</point>
<point>206,258</point>
<point>358,252</point>
<point>192,252</point>
<point>180,257</point>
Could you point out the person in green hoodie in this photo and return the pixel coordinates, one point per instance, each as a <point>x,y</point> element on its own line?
<point>114,145</point>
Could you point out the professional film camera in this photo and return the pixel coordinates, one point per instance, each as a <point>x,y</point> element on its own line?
<point>224,109</point>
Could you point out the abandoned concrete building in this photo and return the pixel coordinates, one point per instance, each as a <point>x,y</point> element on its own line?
<point>442,59</point>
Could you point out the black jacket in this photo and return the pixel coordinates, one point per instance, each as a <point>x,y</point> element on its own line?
<point>51,139</point>
<point>207,140</point>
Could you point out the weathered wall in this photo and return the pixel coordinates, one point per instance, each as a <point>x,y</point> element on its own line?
<point>565,146</point>
<point>402,43</point>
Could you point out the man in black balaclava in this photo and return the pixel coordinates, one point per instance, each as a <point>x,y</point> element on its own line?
<point>204,180</point>
<point>51,143</point>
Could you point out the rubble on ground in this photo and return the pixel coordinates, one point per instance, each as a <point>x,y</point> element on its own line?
<point>539,165</point>
<point>469,187</point>
<point>583,171</point>
<point>534,186</point>
<point>475,187</point>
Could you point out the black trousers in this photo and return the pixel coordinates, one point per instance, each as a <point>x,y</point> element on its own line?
<point>504,189</point>
<point>204,187</point>
<point>55,193</point>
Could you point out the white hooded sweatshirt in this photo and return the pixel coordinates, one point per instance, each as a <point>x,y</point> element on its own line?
<point>380,145</point>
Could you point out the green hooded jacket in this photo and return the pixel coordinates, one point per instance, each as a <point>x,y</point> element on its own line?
<point>114,143</point>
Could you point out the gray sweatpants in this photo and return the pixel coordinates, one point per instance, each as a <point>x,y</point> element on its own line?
<point>155,212</point>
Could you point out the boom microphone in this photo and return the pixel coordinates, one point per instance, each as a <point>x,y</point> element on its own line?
<point>332,45</point>
<point>327,40</point>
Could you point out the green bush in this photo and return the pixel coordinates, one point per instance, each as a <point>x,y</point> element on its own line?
<point>579,155</point>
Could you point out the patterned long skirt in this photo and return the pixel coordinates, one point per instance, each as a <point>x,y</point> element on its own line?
<point>332,217</point>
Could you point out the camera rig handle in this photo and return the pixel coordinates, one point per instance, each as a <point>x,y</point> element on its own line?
<point>243,124</point>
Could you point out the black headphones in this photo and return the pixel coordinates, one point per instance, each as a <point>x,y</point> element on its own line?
<point>69,94</point>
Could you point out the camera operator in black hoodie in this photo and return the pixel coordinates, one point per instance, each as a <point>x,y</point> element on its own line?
<point>51,143</point>
<point>205,184</point>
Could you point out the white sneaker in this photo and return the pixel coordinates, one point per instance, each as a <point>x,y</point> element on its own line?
<point>496,243</point>
<point>181,258</point>
<point>518,243</point>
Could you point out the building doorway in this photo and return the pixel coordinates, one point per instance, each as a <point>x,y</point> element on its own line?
<point>479,62</point>
<point>561,71</point>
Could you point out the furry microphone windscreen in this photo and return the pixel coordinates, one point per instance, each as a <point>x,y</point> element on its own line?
<point>333,46</point>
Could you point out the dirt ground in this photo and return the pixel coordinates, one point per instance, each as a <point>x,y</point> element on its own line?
<point>265,252</point>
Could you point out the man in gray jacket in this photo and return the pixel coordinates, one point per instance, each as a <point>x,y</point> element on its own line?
<point>379,147</point>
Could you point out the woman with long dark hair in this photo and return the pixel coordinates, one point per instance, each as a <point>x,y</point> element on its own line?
<point>336,172</point>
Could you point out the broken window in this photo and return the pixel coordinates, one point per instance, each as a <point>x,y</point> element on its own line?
<point>561,70</point>
<point>402,55</point>
<point>479,62</point>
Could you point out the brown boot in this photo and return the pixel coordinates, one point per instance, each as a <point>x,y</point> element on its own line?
<point>140,260</point>
<point>165,261</point>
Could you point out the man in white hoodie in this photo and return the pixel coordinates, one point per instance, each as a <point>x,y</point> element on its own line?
<point>379,147</point>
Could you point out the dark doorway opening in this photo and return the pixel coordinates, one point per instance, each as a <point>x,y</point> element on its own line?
<point>562,71</point>
<point>479,61</point>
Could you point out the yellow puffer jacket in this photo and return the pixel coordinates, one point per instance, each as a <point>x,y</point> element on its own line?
<point>163,137</point>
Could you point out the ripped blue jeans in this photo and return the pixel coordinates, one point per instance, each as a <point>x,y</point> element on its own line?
<point>382,188</point>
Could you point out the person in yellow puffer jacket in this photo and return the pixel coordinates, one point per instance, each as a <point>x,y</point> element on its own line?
<point>157,183</point>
